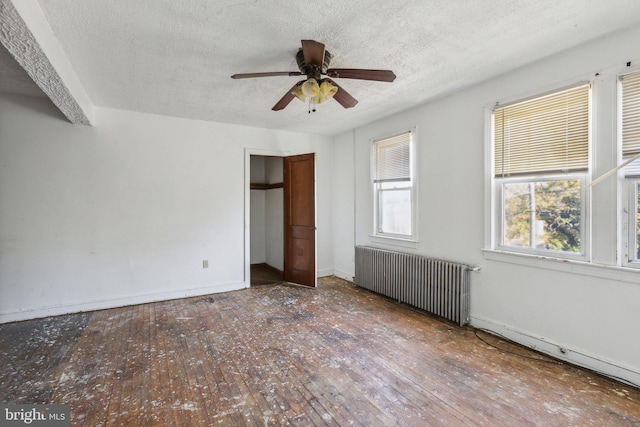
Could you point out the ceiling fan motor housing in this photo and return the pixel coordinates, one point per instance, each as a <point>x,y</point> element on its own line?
<point>311,70</point>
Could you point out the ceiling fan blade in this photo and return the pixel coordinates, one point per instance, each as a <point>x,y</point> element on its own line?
<point>313,52</point>
<point>267,74</point>
<point>343,97</point>
<point>357,73</point>
<point>287,98</point>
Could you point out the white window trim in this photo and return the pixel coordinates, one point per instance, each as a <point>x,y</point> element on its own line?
<point>629,194</point>
<point>394,239</point>
<point>628,219</point>
<point>585,268</point>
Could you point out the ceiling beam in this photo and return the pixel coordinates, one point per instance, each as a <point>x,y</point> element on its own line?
<point>26,34</point>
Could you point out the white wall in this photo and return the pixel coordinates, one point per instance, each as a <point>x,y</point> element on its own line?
<point>343,206</point>
<point>257,208</point>
<point>274,214</point>
<point>273,170</point>
<point>127,210</point>
<point>593,312</point>
<point>258,227</point>
<point>267,212</point>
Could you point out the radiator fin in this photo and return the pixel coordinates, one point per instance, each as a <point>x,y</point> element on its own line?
<point>436,286</point>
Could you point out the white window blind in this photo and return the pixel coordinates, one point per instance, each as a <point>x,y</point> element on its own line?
<point>549,134</point>
<point>630,116</point>
<point>392,159</point>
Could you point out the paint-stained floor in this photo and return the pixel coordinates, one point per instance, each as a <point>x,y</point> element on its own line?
<point>288,355</point>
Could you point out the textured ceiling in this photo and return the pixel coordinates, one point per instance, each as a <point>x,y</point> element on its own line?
<point>175,57</point>
<point>13,79</point>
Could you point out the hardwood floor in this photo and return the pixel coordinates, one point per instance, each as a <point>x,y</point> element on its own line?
<point>287,355</point>
<point>264,274</point>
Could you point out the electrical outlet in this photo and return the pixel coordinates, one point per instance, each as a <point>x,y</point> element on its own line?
<point>205,263</point>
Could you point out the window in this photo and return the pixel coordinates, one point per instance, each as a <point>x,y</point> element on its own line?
<point>630,136</point>
<point>393,186</point>
<point>541,161</point>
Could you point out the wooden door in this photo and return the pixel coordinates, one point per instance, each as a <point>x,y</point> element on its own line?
<point>300,220</point>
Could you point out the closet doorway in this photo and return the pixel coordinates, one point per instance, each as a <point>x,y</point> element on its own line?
<point>282,231</point>
<point>267,219</point>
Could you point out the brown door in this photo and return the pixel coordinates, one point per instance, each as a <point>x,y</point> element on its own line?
<point>299,220</point>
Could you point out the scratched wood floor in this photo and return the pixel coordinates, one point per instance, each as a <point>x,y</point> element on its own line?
<point>287,355</point>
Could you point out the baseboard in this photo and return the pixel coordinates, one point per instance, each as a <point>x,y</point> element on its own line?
<point>571,355</point>
<point>343,275</point>
<point>325,272</point>
<point>37,313</point>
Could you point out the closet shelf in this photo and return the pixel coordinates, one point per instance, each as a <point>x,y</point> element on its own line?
<point>261,186</point>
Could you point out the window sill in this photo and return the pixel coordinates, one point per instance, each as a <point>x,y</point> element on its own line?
<point>623,274</point>
<point>394,241</point>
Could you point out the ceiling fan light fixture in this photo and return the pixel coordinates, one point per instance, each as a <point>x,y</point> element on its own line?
<point>298,94</point>
<point>313,93</point>
<point>310,88</point>
<point>327,90</point>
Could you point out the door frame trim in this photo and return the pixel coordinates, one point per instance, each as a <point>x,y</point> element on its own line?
<point>248,152</point>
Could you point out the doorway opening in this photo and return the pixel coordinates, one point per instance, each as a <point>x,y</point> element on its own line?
<point>266,220</point>
<point>280,237</point>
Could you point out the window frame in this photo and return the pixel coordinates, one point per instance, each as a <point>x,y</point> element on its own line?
<point>628,217</point>
<point>606,206</point>
<point>629,222</point>
<point>496,224</point>
<point>412,186</point>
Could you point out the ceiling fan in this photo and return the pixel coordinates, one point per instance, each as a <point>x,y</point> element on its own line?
<point>313,61</point>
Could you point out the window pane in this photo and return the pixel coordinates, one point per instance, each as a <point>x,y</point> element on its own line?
<point>558,211</point>
<point>392,179</point>
<point>395,211</point>
<point>517,214</point>
<point>392,159</point>
<point>543,215</point>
